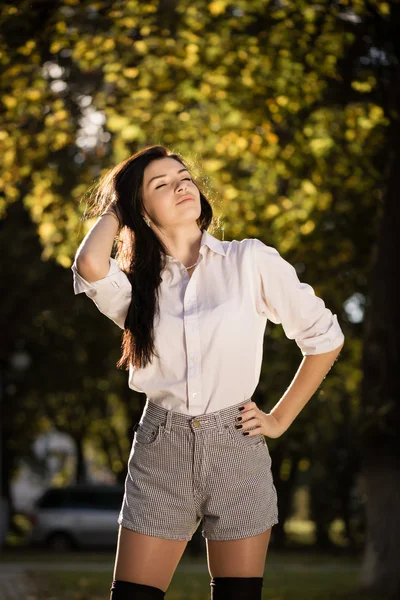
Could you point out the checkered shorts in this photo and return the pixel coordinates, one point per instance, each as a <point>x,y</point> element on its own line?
<point>182,469</point>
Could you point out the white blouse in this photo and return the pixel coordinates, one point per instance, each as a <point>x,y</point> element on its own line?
<point>209,335</point>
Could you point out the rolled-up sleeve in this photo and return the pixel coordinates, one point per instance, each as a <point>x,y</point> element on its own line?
<point>112,294</point>
<point>284,299</point>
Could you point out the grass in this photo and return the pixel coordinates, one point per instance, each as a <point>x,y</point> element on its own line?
<point>301,574</point>
<point>299,559</point>
<point>288,576</point>
<point>279,584</point>
<point>39,555</point>
<point>304,556</point>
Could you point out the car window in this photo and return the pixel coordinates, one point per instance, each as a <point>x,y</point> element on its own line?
<point>96,498</point>
<point>110,499</point>
<point>82,499</point>
<point>53,498</point>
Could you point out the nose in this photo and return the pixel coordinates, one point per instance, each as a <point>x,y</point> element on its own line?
<point>182,186</point>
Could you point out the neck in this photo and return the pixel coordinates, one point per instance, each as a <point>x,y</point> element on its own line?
<point>186,251</point>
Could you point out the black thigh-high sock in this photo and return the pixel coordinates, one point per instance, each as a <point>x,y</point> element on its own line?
<point>126,590</point>
<point>236,588</point>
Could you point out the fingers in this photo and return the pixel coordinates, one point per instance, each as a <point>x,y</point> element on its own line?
<point>248,417</point>
<point>248,406</point>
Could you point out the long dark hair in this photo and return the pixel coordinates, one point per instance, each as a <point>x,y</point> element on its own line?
<point>140,252</point>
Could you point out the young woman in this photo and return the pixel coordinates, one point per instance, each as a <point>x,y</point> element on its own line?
<point>194,310</point>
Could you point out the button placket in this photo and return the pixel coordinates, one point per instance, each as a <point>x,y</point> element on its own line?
<point>192,338</point>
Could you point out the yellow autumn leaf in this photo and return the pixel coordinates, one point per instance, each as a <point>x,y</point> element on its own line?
<point>307,227</point>
<point>376,113</point>
<point>282,100</point>
<point>27,49</point>
<point>130,133</point>
<point>171,106</point>
<point>108,44</point>
<point>131,72</point>
<point>33,94</point>
<point>140,47</point>
<point>217,7</point>
<point>230,192</point>
<point>308,187</point>
<point>321,145</point>
<point>9,101</point>
<point>184,116</point>
<point>212,165</point>
<point>117,123</point>
<point>272,138</point>
<point>46,229</point>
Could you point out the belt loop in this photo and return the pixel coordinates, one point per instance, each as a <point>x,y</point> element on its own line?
<point>168,421</point>
<point>219,422</point>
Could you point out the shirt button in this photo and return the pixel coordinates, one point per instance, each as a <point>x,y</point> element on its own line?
<point>194,395</point>
<point>192,359</point>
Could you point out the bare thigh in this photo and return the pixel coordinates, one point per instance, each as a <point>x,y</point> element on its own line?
<point>238,558</point>
<point>146,559</point>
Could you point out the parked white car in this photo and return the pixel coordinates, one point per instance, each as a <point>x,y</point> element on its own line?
<point>83,515</point>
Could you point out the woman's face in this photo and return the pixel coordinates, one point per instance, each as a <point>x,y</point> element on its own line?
<point>165,183</point>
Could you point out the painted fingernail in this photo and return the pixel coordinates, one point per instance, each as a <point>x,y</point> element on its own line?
<point>238,418</point>
<point>241,408</point>
<point>238,426</point>
<point>245,433</point>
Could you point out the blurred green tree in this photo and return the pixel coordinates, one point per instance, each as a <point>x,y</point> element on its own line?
<point>287,109</point>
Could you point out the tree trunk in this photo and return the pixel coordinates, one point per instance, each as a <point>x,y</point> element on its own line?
<point>284,490</point>
<point>380,415</point>
<point>80,469</point>
<point>380,569</point>
<point>7,464</point>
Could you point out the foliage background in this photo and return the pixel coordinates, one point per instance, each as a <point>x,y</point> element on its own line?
<point>285,109</point>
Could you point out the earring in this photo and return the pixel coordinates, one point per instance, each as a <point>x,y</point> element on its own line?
<point>147,221</point>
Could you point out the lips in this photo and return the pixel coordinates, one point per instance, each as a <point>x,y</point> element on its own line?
<point>185,198</point>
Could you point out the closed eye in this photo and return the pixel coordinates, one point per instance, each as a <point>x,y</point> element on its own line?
<point>184,179</point>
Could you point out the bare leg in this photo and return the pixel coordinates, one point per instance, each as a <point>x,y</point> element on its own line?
<point>146,559</point>
<point>238,558</point>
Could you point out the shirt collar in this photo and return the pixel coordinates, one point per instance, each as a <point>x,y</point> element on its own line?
<point>212,242</point>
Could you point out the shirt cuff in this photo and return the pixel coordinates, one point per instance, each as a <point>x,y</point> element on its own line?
<point>113,276</point>
<point>322,342</point>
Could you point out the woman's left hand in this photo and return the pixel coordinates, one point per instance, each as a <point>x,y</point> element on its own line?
<point>266,423</point>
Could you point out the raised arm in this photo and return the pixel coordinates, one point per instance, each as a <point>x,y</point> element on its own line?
<point>93,255</point>
<point>97,274</point>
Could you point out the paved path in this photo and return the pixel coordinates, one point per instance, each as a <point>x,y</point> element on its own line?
<point>14,583</point>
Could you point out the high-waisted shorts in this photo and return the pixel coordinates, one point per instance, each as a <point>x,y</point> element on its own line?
<point>182,469</point>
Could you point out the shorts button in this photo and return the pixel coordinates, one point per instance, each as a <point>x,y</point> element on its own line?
<point>196,423</point>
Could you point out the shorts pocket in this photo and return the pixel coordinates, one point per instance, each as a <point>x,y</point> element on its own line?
<point>148,434</point>
<point>239,439</point>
